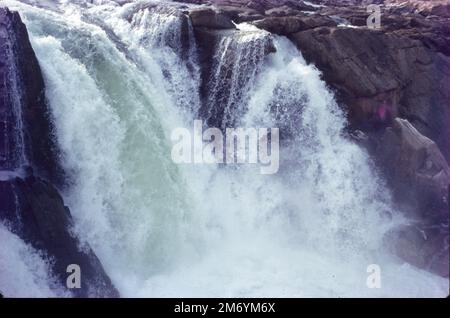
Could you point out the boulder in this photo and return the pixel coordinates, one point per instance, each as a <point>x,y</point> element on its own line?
<point>416,170</point>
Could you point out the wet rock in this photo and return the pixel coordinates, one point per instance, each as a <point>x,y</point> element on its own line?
<point>21,73</point>
<point>380,75</point>
<point>34,210</point>
<point>210,18</point>
<point>416,169</point>
<point>424,246</point>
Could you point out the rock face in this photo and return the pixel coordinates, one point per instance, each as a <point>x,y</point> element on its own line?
<point>22,103</point>
<point>381,75</point>
<point>209,18</point>
<point>30,205</point>
<point>417,167</point>
<point>418,174</point>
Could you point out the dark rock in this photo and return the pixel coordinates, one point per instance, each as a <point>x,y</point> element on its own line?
<point>293,24</point>
<point>416,169</point>
<point>248,17</point>
<point>419,176</point>
<point>224,73</point>
<point>210,18</point>
<point>33,209</point>
<point>379,75</point>
<point>360,138</point>
<point>22,83</point>
<point>240,14</point>
<point>207,41</point>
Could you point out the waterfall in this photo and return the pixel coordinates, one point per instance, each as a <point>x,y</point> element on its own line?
<point>237,61</point>
<point>120,78</point>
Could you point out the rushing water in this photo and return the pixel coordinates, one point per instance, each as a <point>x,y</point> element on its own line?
<point>121,78</point>
<point>23,271</point>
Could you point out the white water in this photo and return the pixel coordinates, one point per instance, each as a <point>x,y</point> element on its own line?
<point>23,271</point>
<point>167,230</point>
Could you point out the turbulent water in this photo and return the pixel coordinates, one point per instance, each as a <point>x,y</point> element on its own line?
<point>23,271</point>
<point>119,79</point>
